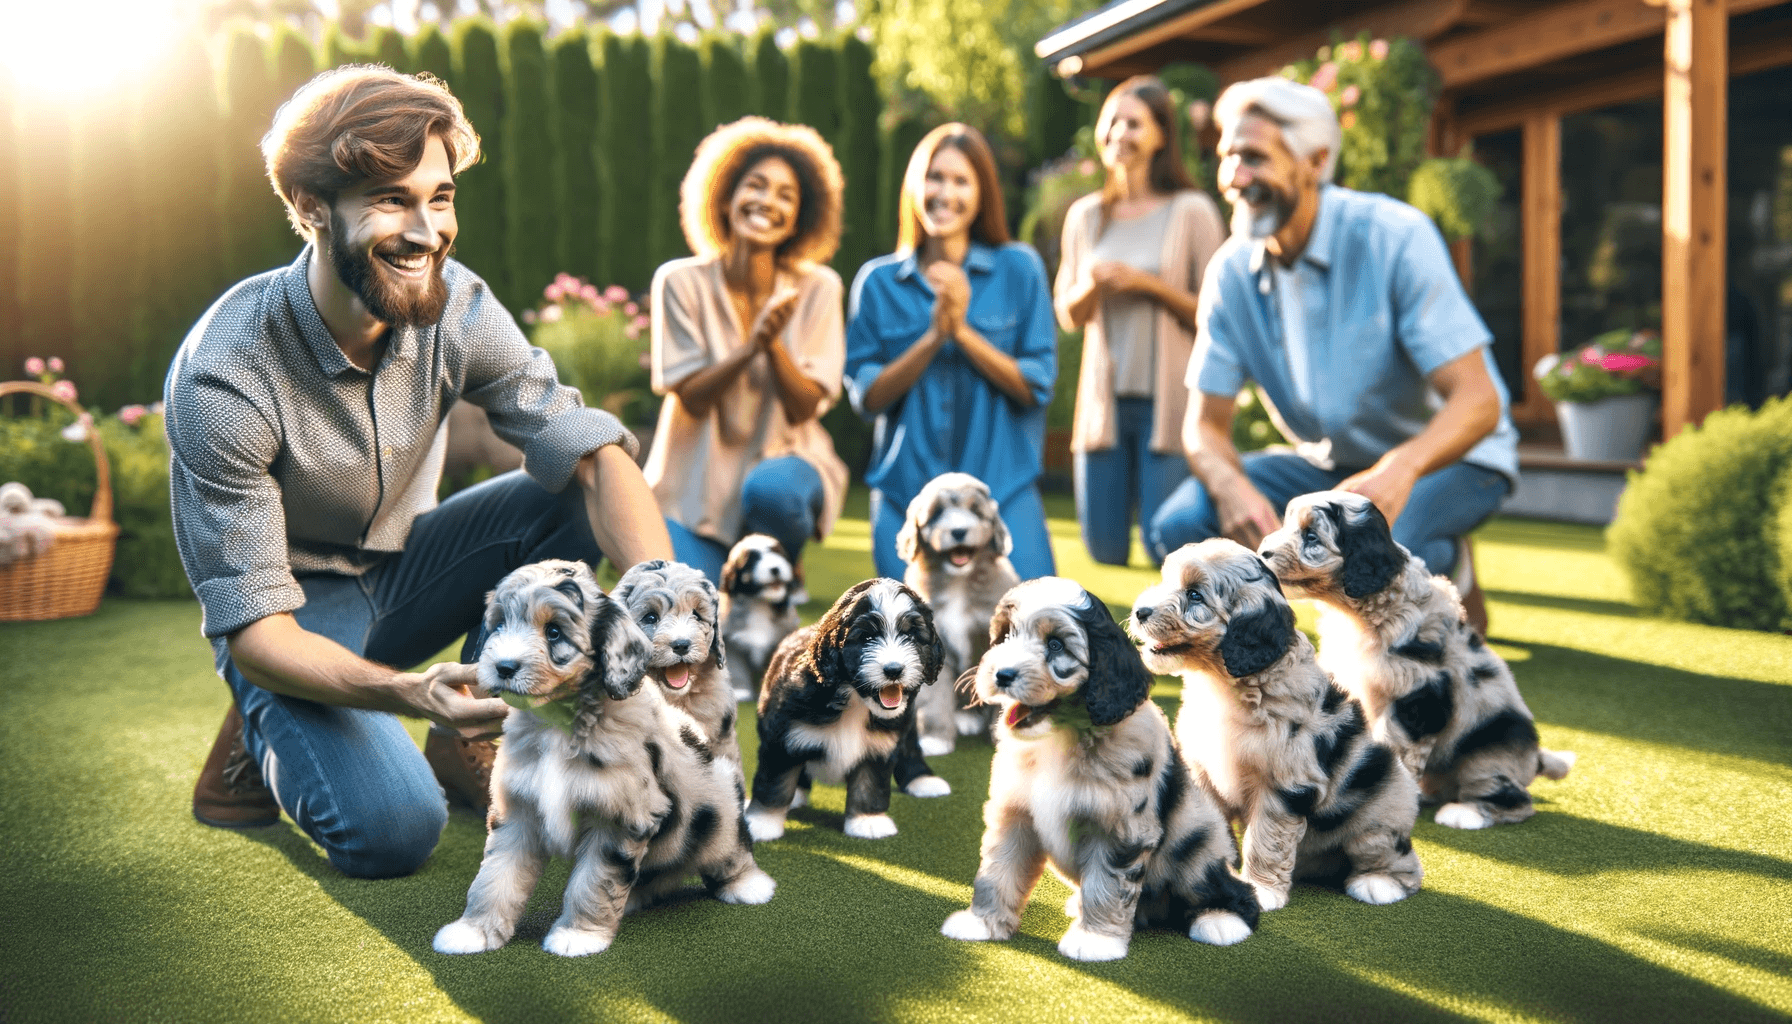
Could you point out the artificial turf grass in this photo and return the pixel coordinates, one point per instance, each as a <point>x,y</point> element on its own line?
<point>1651,885</point>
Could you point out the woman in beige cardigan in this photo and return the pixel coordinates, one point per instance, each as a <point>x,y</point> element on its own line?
<point>1132,262</point>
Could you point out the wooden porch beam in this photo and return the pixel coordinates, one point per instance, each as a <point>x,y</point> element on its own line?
<point>1542,246</point>
<point>1692,212</point>
<point>1419,19</point>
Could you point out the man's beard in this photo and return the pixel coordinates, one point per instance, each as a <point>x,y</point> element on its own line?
<point>1260,211</point>
<point>390,303</point>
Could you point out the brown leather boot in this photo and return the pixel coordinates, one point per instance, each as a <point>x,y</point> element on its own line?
<point>230,793</point>
<point>463,767</point>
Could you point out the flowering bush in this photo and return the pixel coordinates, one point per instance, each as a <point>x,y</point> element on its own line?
<point>598,340</point>
<point>1383,91</point>
<point>1620,362</point>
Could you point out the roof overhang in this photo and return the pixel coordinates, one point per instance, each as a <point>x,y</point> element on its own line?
<point>1125,26</point>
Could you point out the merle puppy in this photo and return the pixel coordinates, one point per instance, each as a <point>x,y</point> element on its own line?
<point>839,698</point>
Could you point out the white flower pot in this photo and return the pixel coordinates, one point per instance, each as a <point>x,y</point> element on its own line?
<point>1614,429</point>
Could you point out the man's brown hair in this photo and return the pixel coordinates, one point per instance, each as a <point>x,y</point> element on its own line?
<point>991,225</point>
<point>357,123</point>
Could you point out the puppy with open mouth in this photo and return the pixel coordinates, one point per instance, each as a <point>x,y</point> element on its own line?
<point>1088,778</point>
<point>839,700</point>
<point>760,594</point>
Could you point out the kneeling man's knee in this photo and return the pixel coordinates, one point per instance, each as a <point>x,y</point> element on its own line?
<point>386,835</point>
<point>1185,517</point>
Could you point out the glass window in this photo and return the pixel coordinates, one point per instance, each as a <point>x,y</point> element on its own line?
<point>1758,306</point>
<point>1611,220</point>
<point>1498,265</point>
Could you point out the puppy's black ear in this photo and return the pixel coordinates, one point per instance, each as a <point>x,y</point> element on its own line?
<point>1258,638</point>
<point>1118,680</point>
<point>1000,542</point>
<point>573,592</point>
<point>827,648</point>
<point>1371,558</point>
<point>712,610</point>
<point>926,639</point>
<point>619,650</point>
<point>476,638</point>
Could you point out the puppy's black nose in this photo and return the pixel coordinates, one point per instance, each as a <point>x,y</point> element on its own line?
<point>507,668</point>
<point>1142,614</point>
<point>958,533</point>
<point>1005,677</point>
<point>679,647</point>
<point>892,670</point>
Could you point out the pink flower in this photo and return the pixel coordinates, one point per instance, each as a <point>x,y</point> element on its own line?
<point>566,281</point>
<point>600,307</point>
<point>1352,50</point>
<point>1198,113</point>
<point>631,309</point>
<point>641,322</point>
<point>55,365</point>
<point>589,294</point>
<point>65,390</point>
<point>615,294</point>
<point>1351,95</point>
<point>131,415</point>
<point>554,292</point>
<point>1325,77</point>
<point>529,316</point>
<point>631,332</point>
<point>1591,355</point>
<point>1086,168</point>
<point>1620,362</point>
<point>1348,120</point>
<point>1379,49</point>
<point>34,367</point>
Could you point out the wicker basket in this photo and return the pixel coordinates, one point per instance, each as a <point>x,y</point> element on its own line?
<point>67,579</point>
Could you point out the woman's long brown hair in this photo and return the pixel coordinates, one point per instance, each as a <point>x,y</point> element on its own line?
<point>991,225</point>
<point>1167,173</point>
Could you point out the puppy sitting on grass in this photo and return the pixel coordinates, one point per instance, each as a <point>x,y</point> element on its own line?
<point>759,608</point>
<point>1395,637</point>
<point>1088,778</point>
<point>1285,751</point>
<point>593,767</point>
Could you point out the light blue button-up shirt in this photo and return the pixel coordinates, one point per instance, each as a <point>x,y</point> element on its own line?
<point>954,419</point>
<point>1383,310</point>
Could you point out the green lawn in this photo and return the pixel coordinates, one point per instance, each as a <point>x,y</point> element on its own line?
<point>1655,882</point>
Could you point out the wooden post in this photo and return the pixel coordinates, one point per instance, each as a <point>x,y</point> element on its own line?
<point>1694,180</point>
<point>1542,257</point>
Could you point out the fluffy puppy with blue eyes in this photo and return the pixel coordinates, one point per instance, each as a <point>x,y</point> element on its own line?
<point>1088,779</point>
<point>760,588</point>
<point>593,767</point>
<point>1286,752</point>
<point>839,700</point>
<point>677,607</point>
<point>1395,637</point>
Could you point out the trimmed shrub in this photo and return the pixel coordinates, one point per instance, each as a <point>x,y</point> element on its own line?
<point>1458,193</point>
<point>293,61</point>
<point>815,88</point>
<point>726,92</point>
<point>531,226</point>
<point>256,220</point>
<point>899,144</point>
<point>385,45</point>
<point>340,48</point>
<point>677,128</point>
<point>578,190</point>
<point>1052,116</point>
<point>1695,529</point>
<point>104,283</point>
<point>45,225</point>
<point>771,77</point>
<point>858,154</point>
<point>430,52</point>
<point>1782,529</point>
<point>479,195</point>
<point>625,137</point>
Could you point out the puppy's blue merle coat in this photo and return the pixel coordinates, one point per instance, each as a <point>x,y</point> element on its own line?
<point>839,696</point>
<point>1395,638</point>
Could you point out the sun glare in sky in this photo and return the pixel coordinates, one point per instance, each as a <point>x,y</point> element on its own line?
<point>56,47</point>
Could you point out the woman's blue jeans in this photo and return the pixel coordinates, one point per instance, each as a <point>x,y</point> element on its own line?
<point>1023,514</point>
<point>353,779</point>
<point>1115,484</point>
<point>782,497</point>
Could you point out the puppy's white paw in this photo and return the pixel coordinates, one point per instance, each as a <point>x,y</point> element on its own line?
<point>1270,899</point>
<point>1078,944</point>
<point>799,799</point>
<point>1073,907</point>
<point>764,823</point>
<point>463,936</point>
<point>928,785</point>
<point>1460,815</point>
<point>968,927</point>
<point>870,826</point>
<point>753,887</point>
<point>574,942</point>
<point>1219,928</point>
<point>933,746</point>
<point>969,723</point>
<point>1375,889</point>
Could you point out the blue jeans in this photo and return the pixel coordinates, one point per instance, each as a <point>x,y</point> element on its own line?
<point>782,497</point>
<point>352,779</point>
<point>1443,506</point>
<point>1023,514</point>
<point>1113,484</point>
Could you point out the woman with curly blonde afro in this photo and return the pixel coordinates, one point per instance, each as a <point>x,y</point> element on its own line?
<point>748,346</point>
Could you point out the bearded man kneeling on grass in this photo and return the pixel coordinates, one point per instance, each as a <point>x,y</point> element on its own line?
<point>306,424</point>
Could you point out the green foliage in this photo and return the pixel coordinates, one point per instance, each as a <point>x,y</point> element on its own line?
<point>430,52</point>
<point>599,345</point>
<point>1458,193</point>
<point>1052,116</point>
<point>677,128</point>
<point>1620,362</point>
<point>293,61</point>
<point>340,48</point>
<point>1696,529</point>
<point>857,152</point>
<point>771,77</point>
<point>625,136</point>
<point>1782,534</point>
<point>900,140</point>
<point>46,223</point>
<point>577,185</point>
<point>385,45</point>
<point>529,173</point>
<point>1383,92</point>
<point>261,237</point>
<point>727,95</point>
<point>815,88</point>
<point>1055,187</point>
<point>479,198</point>
<point>1252,428</point>
<point>104,285</point>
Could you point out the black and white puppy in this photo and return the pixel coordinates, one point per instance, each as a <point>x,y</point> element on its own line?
<point>1088,778</point>
<point>759,608</point>
<point>839,698</point>
<point>956,547</point>
<point>593,767</point>
<point>1395,637</point>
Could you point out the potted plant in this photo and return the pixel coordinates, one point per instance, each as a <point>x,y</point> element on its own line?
<point>1605,394</point>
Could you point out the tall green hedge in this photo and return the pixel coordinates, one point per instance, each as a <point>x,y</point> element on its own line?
<point>677,128</point>
<point>385,45</point>
<point>626,135</point>
<point>815,88</point>
<point>11,203</point>
<point>530,150</point>
<point>899,142</point>
<point>101,289</point>
<point>479,193</point>
<point>857,151</point>
<point>771,77</point>
<point>45,226</point>
<point>577,187</point>
<point>726,95</point>
<point>1053,116</point>
<point>430,52</point>
<point>340,48</point>
<point>254,217</point>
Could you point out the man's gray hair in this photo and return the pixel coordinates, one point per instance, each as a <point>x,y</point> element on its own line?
<point>1304,114</point>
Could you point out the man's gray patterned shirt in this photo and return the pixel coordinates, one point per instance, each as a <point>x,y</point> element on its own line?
<point>287,458</point>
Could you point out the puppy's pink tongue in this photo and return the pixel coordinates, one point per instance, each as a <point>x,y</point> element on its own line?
<point>960,557</point>
<point>1016,712</point>
<point>677,676</point>
<point>891,695</point>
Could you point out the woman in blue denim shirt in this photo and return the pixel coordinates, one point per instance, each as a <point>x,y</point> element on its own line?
<point>951,347</point>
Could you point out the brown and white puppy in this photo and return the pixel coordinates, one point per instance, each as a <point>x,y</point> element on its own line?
<point>593,767</point>
<point>1285,751</point>
<point>677,607</point>
<point>1088,779</point>
<point>1395,637</point>
<point>759,608</point>
<point>956,547</point>
<point>839,699</point>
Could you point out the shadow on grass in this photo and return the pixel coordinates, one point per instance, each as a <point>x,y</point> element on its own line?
<point>1733,950</point>
<point>1587,605</point>
<point>1570,846</point>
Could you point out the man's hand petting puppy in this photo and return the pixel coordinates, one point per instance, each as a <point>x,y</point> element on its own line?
<point>449,695</point>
